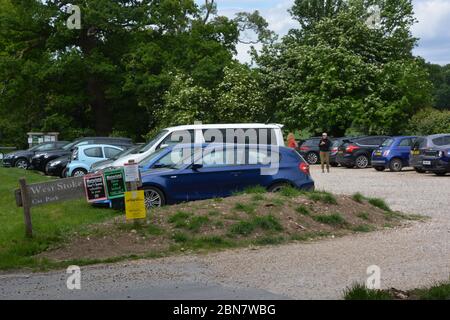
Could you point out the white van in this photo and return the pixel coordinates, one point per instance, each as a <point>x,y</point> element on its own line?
<point>270,134</point>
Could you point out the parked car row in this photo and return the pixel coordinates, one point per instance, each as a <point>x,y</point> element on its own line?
<point>424,154</point>
<point>169,175</point>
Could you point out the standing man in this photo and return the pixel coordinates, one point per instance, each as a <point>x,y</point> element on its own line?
<point>325,146</point>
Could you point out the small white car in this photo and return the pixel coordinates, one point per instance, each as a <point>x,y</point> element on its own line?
<point>251,133</point>
<point>85,156</point>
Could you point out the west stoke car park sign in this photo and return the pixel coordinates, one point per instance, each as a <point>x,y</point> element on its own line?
<point>47,192</point>
<point>94,187</point>
<point>55,191</point>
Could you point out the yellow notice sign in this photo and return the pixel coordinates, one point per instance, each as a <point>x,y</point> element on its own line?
<point>135,205</point>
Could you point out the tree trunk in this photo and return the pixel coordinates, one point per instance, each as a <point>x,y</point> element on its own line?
<point>95,86</point>
<point>102,113</point>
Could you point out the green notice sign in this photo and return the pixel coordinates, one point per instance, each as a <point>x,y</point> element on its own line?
<point>115,183</point>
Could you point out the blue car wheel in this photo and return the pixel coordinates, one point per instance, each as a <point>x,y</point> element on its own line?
<point>154,198</point>
<point>396,165</point>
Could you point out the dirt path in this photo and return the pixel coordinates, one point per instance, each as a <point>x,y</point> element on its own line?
<point>412,257</point>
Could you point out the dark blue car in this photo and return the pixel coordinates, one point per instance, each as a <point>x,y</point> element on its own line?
<point>436,159</point>
<point>394,154</point>
<point>196,172</point>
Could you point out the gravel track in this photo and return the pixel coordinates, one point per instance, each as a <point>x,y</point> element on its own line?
<point>408,257</point>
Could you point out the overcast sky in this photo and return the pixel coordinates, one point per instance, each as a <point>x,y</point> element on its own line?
<point>433,27</point>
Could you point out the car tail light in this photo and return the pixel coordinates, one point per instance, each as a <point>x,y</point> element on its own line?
<point>351,148</point>
<point>304,167</point>
<point>303,148</point>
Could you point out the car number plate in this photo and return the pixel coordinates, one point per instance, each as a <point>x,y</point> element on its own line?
<point>416,153</point>
<point>427,163</point>
<point>378,153</point>
<point>340,152</point>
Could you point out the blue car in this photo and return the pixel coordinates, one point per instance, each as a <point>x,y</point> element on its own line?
<point>196,172</point>
<point>394,154</point>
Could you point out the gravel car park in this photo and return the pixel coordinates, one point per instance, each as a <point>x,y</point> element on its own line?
<point>409,258</point>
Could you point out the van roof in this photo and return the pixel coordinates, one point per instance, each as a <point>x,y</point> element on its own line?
<point>227,126</point>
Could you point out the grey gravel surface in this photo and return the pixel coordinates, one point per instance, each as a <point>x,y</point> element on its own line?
<point>408,257</point>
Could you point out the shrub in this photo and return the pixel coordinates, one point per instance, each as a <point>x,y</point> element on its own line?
<point>268,223</point>
<point>303,210</point>
<point>247,208</point>
<point>363,228</point>
<point>379,203</point>
<point>334,219</point>
<point>364,216</point>
<point>255,190</point>
<point>324,197</point>
<point>358,197</point>
<point>290,192</point>
<point>180,237</point>
<point>360,292</point>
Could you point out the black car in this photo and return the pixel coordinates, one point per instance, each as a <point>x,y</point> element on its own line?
<point>309,150</point>
<point>41,159</point>
<point>22,158</point>
<point>337,142</point>
<point>432,154</point>
<point>358,151</point>
<point>57,166</point>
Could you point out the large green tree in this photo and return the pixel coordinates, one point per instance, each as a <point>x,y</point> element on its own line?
<point>342,73</point>
<point>440,78</point>
<point>109,76</point>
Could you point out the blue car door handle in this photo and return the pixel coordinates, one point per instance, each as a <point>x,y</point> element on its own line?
<point>173,177</point>
<point>236,174</point>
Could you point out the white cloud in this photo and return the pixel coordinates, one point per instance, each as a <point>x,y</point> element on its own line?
<point>433,18</point>
<point>433,29</point>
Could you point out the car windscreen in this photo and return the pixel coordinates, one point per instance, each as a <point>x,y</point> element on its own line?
<point>69,146</point>
<point>126,152</point>
<point>149,145</point>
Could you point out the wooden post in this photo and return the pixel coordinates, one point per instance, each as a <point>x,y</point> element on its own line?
<point>26,208</point>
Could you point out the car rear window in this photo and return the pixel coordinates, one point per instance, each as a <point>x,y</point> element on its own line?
<point>442,141</point>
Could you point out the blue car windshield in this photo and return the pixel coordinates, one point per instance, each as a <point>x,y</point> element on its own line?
<point>388,143</point>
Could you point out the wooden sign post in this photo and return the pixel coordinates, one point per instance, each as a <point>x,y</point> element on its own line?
<point>26,203</point>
